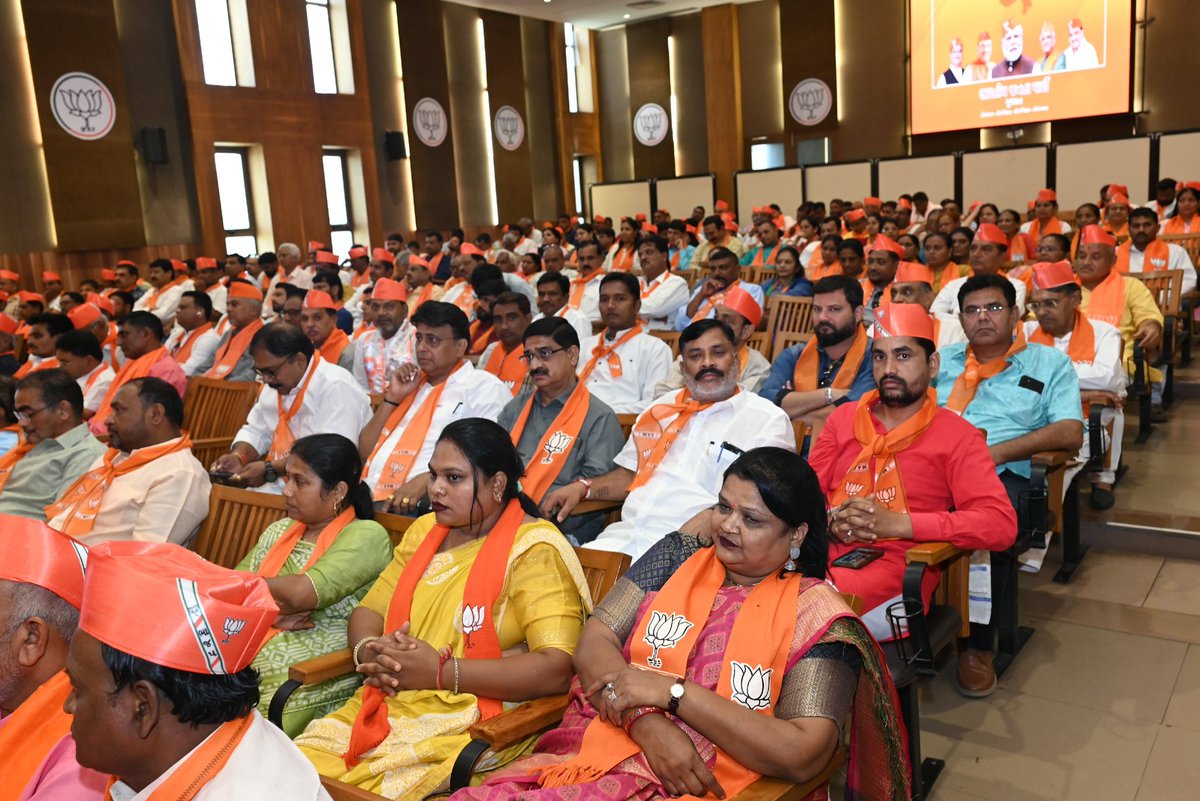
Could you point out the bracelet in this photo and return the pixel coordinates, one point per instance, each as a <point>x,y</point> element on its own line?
<point>443,658</point>
<point>587,486</point>
<point>359,644</point>
<point>640,713</point>
<point>240,458</point>
<point>455,675</point>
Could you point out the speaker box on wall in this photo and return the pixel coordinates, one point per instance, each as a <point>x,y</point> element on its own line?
<point>152,144</point>
<point>394,145</point>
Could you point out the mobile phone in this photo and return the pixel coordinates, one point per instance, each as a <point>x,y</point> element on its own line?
<point>859,558</point>
<point>221,477</point>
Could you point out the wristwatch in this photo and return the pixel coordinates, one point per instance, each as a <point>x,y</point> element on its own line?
<point>829,395</point>
<point>676,697</point>
<point>269,474</point>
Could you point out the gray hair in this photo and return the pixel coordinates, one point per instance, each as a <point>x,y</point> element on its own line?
<point>288,247</point>
<point>30,600</point>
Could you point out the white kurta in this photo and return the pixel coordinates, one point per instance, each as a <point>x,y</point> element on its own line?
<point>168,302</point>
<point>1177,259</point>
<point>93,396</point>
<point>589,304</point>
<point>203,350</point>
<point>581,324</point>
<point>662,299</point>
<point>645,360</point>
<point>946,302</point>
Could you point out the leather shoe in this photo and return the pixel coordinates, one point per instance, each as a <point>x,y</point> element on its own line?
<point>1101,498</point>
<point>1158,414</point>
<point>976,677</point>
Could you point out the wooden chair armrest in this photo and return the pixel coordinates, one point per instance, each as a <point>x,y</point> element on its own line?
<point>514,725</point>
<point>340,791</point>
<point>587,507</point>
<point>323,668</point>
<point>768,789</point>
<point>1053,459</point>
<point>932,553</point>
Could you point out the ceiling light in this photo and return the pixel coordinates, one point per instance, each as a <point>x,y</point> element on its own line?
<point>626,17</point>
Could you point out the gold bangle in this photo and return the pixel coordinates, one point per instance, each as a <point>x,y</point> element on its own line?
<point>358,645</point>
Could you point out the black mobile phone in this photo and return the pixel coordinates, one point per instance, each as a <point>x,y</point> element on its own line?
<point>858,558</point>
<point>221,477</point>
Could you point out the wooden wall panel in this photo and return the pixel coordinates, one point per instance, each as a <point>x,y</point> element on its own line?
<point>541,142</point>
<point>93,183</point>
<point>691,112</point>
<point>612,102</point>
<point>506,87</point>
<point>811,53</point>
<point>759,38</point>
<point>650,82</point>
<point>723,95</point>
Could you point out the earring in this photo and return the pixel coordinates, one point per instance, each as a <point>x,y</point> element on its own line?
<point>498,496</point>
<point>793,555</point>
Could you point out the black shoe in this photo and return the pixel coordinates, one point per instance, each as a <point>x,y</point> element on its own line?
<point>1158,414</point>
<point>1102,499</point>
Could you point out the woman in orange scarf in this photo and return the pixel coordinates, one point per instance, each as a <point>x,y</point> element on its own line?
<point>482,603</point>
<point>729,639</point>
<point>937,258</point>
<point>1187,200</point>
<point>319,561</point>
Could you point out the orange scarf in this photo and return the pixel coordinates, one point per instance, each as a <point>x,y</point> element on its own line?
<point>1177,226</point>
<point>29,367</point>
<point>465,299</point>
<point>1107,300</point>
<point>950,272</point>
<point>1156,257</point>
<point>9,460</point>
<point>484,585</point>
<point>333,346</point>
<point>183,348</point>
<point>804,377</point>
<point>818,269</point>
<point>235,346</point>
<point>509,367</point>
<point>758,256</point>
<point>425,294</point>
<point>283,438</point>
<point>874,471</point>
<point>648,287</point>
<point>556,443</point>
<point>653,442</point>
<point>31,732</point>
<point>358,279</point>
<point>134,368</point>
<point>759,641</point>
<point>579,284</point>
<point>974,374</point>
<point>622,260</point>
<point>609,352</point>
<point>480,337</point>
<point>82,501</point>
<point>152,300</point>
<point>1036,231</point>
<point>710,303</point>
<point>1018,247</point>
<point>110,344</point>
<point>203,765</point>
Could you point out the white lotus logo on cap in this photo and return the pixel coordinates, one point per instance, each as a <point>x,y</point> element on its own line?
<point>751,686</point>
<point>664,631</point>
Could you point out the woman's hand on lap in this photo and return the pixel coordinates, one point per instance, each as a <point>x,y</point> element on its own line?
<point>672,756</point>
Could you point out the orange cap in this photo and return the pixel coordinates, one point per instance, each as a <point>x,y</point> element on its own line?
<point>241,289</point>
<point>101,302</point>
<point>7,324</point>
<point>1032,203</point>
<point>742,302</point>
<point>1118,189</point>
<point>720,206</point>
<point>315,245</point>
<point>358,253</point>
<point>640,216</point>
<point>904,203</point>
<point>1046,196</point>
<point>34,553</point>
<point>650,227</point>
<point>855,214</point>
<point>317,299</point>
<point>9,275</point>
<point>872,201</point>
<point>418,261</point>
<point>47,275</point>
<point>84,315</point>
<point>913,272</point>
<point>903,320</point>
<point>383,254</point>
<point>26,296</point>
<point>1118,197</point>
<point>1095,235</point>
<point>1051,274</point>
<point>467,249</point>
<point>887,243</point>
<point>387,289</point>
<point>206,263</point>
<point>207,619</point>
<point>988,232</point>
<point>126,263</point>
<point>179,266</point>
<point>326,257</point>
<point>730,223</point>
<point>107,274</point>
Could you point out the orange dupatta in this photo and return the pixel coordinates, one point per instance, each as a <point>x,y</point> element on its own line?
<point>426,294</point>
<point>480,641</point>
<point>579,284</point>
<point>1036,232</point>
<point>874,471</point>
<point>183,349</point>
<point>130,370</point>
<point>648,431</point>
<point>509,368</point>
<point>480,337</point>
<point>1106,302</point>
<point>152,301</point>
<point>9,460</point>
<point>950,272</point>
<point>227,357</point>
<point>31,732</point>
<point>622,260</point>
<point>804,377</point>
<point>710,303</point>
<point>334,345</point>
<point>974,374</point>
<point>202,765</point>
<point>282,439</point>
<point>81,502</point>
<point>609,352</point>
<point>556,443</point>
<point>1177,225</point>
<point>1156,257</point>
<point>758,260</point>
<point>758,646</point>
<point>1081,348</point>
<point>29,367</point>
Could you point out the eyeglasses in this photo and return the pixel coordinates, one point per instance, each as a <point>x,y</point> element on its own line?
<point>979,311</point>
<point>25,417</point>
<point>271,373</point>
<point>1048,305</point>
<point>541,354</point>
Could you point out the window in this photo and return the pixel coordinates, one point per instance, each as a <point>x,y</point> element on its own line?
<point>577,170</point>
<point>337,198</point>
<point>572,68</point>
<point>237,209</point>
<point>216,42</point>
<point>812,151</point>
<point>765,156</point>
<point>320,41</point>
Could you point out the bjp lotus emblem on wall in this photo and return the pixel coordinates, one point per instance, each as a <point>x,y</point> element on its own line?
<point>750,686</point>
<point>83,106</point>
<point>664,631</point>
<point>810,102</point>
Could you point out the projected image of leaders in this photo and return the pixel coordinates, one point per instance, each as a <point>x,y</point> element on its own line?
<point>1081,55</point>
<point>981,68</point>
<point>1011,46</point>
<point>955,74</point>
<point>1049,40</point>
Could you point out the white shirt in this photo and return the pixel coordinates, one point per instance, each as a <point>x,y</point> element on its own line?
<point>468,393</point>
<point>93,396</point>
<point>946,302</point>
<point>219,295</point>
<point>690,475</point>
<point>1163,211</point>
<point>1026,227</point>
<point>334,403</point>
<point>354,305</point>
<point>455,293</point>
<point>1105,373</point>
<point>581,324</point>
<point>683,320</point>
<point>300,277</point>
<point>288,775</point>
<point>645,360</point>
<point>372,348</point>
<point>1177,259</point>
<point>204,349</point>
<point>589,304</point>
<point>168,302</point>
<point>1083,58</point>
<point>667,294</point>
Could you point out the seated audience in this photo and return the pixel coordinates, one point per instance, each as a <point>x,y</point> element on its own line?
<point>553,290</point>
<point>503,358</point>
<point>663,293</point>
<point>420,400</point>
<point>41,342</point>
<point>207,280</point>
<point>420,287</point>
<point>330,282</point>
<point>319,321</point>
<point>913,283</point>
<point>318,562</point>
<point>881,266</point>
<point>723,274</point>
<point>766,250</point>
<point>671,466</point>
<point>193,341</point>
<point>742,314</point>
<point>635,733</point>
<point>899,470</point>
<point>716,235</point>
<point>140,337</point>
<point>789,278</point>
<point>1045,220</point>
<point>55,449</point>
<point>8,344</point>
<point>148,486</point>
<point>385,347</point>
<point>164,703</point>
<point>91,318</point>
<point>79,353</point>
<point>232,360</point>
<point>1146,253</point>
<point>988,253</point>
<point>167,285</point>
<point>623,364</point>
<point>10,429</point>
<point>41,588</point>
<point>585,289</point>
<point>432,670</point>
<point>382,265</point>
<point>936,247</point>
<point>851,255</point>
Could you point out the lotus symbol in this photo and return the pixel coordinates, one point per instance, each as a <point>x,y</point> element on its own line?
<point>431,121</point>
<point>472,620</point>
<point>886,496</point>
<point>651,122</point>
<point>83,103</point>
<point>853,488</point>
<point>232,628</point>
<point>558,443</point>
<point>751,686</point>
<point>508,127</point>
<point>664,631</point>
<point>810,100</point>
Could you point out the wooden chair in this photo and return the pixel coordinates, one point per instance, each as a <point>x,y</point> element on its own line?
<point>1167,288</point>
<point>688,275</point>
<point>761,342</point>
<point>789,315</point>
<point>670,337</point>
<point>236,517</point>
<point>627,421</point>
<point>785,340</point>
<point>1191,244</point>
<point>1049,469</point>
<point>213,412</point>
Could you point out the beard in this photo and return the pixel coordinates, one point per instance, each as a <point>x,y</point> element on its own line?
<point>829,335</point>
<point>899,394</point>
<point>706,393</point>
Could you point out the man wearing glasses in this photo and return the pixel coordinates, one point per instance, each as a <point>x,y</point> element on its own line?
<point>564,434</point>
<point>58,446</point>
<point>1026,397</point>
<point>303,395</point>
<point>989,250</point>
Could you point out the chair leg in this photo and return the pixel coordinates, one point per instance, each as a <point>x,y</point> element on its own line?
<point>1073,549</point>
<point>923,773</point>
<point>1012,636</point>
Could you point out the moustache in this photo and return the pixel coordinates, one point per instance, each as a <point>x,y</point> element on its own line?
<point>710,371</point>
<point>537,372</point>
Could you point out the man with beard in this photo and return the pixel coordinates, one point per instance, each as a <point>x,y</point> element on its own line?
<point>553,289</point>
<point>724,273</point>
<point>303,395</point>
<point>231,360</point>
<point>1011,45</point>
<point>148,486</point>
<point>318,321</point>
<point>898,470</point>
<point>1145,252</point>
<point>382,265</point>
<point>504,358</point>
<point>380,351</point>
<point>672,466</point>
<point>834,367</point>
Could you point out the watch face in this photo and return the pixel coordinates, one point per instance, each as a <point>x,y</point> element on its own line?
<point>676,690</point>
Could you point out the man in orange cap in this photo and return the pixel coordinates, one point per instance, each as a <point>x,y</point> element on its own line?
<point>355,274</point>
<point>1095,351</point>
<point>44,330</point>
<point>91,318</point>
<point>208,280</point>
<point>914,284</point>
<point>108,280</point>
<point>1045,220</point>
<point>167,285</point>
<point>29,304</point>
<point>420,285</point>
<point>8,357</point>
<point>41,589</point>
<point>1145,252</point>
<point>715,235</point>
<point>882,262</point>
<point>724,273</point>
<point>381,265</point>
<point>193,341</point>
<point>989,250</point>
<point>898,470</point>
<point>232,360</point>
<point>741,312</point>
<point>856,225</point>
<point>10,284</point>
<point>504,358</point>
<point>318,320</point>
<point>52,286</point>
<point>79,353</point>
<point>165,703</point>
<point>389,344</point>
<point>458,289</point>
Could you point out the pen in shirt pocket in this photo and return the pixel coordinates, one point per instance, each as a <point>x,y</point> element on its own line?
<point>457,406</point>
<point>726,446</point>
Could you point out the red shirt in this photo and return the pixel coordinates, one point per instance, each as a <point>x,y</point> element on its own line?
<point>954,495</point>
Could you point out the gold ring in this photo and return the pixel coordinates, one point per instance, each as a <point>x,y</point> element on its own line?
<point>404,501</point>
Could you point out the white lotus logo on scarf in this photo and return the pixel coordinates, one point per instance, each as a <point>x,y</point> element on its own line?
<point>472,620</point>
<point>853,489</point>
<point>664,631</point>
<point>558,443</point>
<point>232,628</point>
<point>886,496</point>
<point>751,686</point>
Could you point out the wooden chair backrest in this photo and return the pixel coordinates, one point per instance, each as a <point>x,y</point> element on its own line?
<point>687,275</point>
<point>1189,242</point>
<point>602,569</point>
<point>236,517</point>
<point>1166,286</point>
<point>761,342</point>
<point>394,525</point>
<point>376,399</point>
<point>670,337</point>
<point>785,340</point>
<point>757,274</point>
<point>790,315</point>
<point>215,408</point>
<point>801,429</point>
<point>627,421</point>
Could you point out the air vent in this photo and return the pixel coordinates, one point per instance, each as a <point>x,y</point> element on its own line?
<point>643,5</point>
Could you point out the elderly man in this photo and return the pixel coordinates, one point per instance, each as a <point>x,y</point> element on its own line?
<point>987,255</point>
<point>1146,253</point>
<point>585,289</point>
<point>419,401</point>
<point>140,337</point>
<point>44,331</point>
<point>193,341</point>
<point>563,433</point>
<point>208,281</point>
<point>303,394</point>
<point>623,364</point>
<point>148,486</point>
<point>553,290</point>
<point>868,449</point>
<point>672,466</point>
<point>79,353</point>
<point>663,293</point>
<point>741,312</point>
<point>380,351</point>
<point>318,320</point>
<point>167,285</point>
<point>41,589</point>
<point>164,704</point>
<point>291,271</point>
<point>458,289</point>
<point>231,359</point>
<point>724,273</point>
<point>1026,397</point>
<point>1081,55</point>
<point>58,446</point>
<point>913,283</point>
<point>504,358</point>
<point>1012,45</point>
